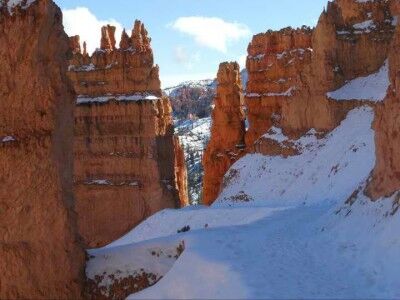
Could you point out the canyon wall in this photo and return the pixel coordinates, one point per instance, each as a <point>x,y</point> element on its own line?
<point>227,130</point>
<point>386,176</point>
<point>296,76</point>
<point>128,165</point>
<point>41,256</point>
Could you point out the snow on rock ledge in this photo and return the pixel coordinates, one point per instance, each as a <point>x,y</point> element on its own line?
<point>82,99</point>
<point>370,88</point>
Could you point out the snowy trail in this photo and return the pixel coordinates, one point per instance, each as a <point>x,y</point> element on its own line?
<point>301,241</point>
<point>286,255</point>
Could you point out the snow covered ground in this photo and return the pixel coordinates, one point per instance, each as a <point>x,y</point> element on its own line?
<point>314,238</point>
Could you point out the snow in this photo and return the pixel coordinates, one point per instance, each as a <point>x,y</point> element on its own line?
<point>296,238</point>
<point>276,134</point>
<point>197,217</point>
<point>365,26</point>
<point>83,68</point>
<point>82,99</point>
<point>205,83</point>
<point>7,139</point>
<point>14,3</point>
<point>370,88</point>
<point>121,262</point>
<point>287,93</point>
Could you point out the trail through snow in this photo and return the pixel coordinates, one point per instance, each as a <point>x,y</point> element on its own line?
<point>306,242</point>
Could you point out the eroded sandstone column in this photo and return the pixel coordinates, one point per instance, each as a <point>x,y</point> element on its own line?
<point>386,176</point>
<point>40,256</point>
<point>128,165</point>
<point>227,131</point>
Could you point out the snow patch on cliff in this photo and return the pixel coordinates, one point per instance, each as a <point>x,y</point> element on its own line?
<point>370,88</point>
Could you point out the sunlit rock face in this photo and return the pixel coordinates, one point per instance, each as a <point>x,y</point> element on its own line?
<point>41,256</point>
<point>303,79</point>
<point>227,130</point>
<point>128,165</point>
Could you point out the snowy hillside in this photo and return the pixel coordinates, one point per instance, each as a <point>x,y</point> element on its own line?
<point>314,238</point>
<point>194,136</point>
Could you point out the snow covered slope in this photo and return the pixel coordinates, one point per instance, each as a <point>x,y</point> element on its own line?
<point>313,239</point>
<point>329,169</point>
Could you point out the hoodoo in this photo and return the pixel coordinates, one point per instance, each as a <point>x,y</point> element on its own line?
<point>40,253</point>
<point>128,165</point>
<point>227,131</point>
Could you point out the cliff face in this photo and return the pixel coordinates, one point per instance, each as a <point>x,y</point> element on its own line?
<point>227,131</point>
<point>39,249</point>
<point>386,176</point>
<point>300,66</point>
<point>298,77</point>
<point>275,64</point>
<point>127,163</point>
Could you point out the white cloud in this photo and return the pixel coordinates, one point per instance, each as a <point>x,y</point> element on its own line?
<point>182,57</point>
<point>242,61</point>
<point>81,21</point>
<point>214,33</point>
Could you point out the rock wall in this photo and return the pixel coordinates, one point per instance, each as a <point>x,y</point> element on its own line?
<point>298,67</point>
<point>227,131</point>
<point>386,176</point>
<point>292,72</point>
<point>128,165</point>
<point>41,256</point>
<point>275,62</point>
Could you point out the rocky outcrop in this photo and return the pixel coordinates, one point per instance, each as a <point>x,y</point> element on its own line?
<point>275,63</point>
<point>128,164</point>
<point>41,257</point>
<point>386,176</point>
<point>227,131</point>
<point>300,66</point>
<point>295,75</point>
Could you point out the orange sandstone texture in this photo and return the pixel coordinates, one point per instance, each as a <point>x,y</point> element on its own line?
<point>386,176</point>
<point>40,253</point>
<point>292,70</point>
<point>227,131</point>
<point>128,165</point>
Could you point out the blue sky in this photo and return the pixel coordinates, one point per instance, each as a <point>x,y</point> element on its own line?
<point>190,37</point>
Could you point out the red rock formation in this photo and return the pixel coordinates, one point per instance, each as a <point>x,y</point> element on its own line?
<point>127,163</point>
<point>350,40</point>
<point>227,131</point>
<point>274,64</point>
<point>40,256</point>
<point>292,70</point>
<point>74,44</point>
<point>107,38</point>
<point>386,176</point>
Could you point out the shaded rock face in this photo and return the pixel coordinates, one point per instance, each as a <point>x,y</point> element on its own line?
<point>41,256</point>
<point>386,176</point>
<point>128,165</point>
<point>227,131</point>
